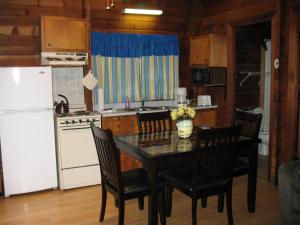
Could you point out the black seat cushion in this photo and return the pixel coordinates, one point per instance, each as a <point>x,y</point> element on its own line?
<point>134,181</point>
<point>183,179</point>
<point>241,166</point>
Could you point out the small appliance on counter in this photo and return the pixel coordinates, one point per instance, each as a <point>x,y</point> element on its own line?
<point>204,100</point>
<point>62,107</point>
<point>181,95</point>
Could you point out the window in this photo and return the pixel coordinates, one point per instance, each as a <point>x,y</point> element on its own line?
<point>135,66</point>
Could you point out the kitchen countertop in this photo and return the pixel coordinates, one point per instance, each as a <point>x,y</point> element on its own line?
<point>133,111</point>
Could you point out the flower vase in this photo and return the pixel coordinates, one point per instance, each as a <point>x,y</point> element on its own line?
<point>184,127</point>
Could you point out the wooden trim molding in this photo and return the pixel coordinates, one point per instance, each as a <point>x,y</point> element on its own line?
<point>231,65</point>
<point>274,96</point>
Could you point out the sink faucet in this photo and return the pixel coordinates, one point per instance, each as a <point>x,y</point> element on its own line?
<point>143,103</point>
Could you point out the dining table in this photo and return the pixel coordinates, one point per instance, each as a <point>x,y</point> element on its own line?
<point>161,151</point>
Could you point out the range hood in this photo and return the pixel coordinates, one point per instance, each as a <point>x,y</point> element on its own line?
<point>64,58</point>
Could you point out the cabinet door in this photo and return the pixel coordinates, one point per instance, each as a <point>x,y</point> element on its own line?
<point>200,50</point>
<point>122,125</point>
<point>218,53</point>
<point>63,33</point>
<point>208,50</point>
<point>205,118</point>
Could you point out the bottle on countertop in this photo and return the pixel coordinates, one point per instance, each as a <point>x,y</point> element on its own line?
<point>127,103</point>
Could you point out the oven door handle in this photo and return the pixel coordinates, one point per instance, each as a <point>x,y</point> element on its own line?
<point>75,128</point>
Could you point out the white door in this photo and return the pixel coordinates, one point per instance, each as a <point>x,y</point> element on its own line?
<point>28,151</point>
<point>25,88</point>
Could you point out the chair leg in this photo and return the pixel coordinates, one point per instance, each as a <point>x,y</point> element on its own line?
<point>169,193</point>
<point>103,204</point>
<point>141,202</point>
<point>204,202</point>
<point>221,203</point>
<point>229,206</point>
<point>121,212</point>
<point>162,207</point>
<point>251,195</point>
<point>194,211</point>
<point>116,203</point>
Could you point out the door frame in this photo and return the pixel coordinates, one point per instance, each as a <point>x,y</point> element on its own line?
<point>275,19</point>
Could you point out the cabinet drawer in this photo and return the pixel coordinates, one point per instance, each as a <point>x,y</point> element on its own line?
<point>121,125</point>
<point>80,177</point>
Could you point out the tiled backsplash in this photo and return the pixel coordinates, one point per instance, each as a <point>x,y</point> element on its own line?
<point>67,81</point>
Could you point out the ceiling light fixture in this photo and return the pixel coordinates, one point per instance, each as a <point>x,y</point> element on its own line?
<point>155,12</point>
<point>109,5</point>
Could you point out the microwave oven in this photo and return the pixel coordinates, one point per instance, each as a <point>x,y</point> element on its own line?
<point>201,75</point>
<point>209,76</point>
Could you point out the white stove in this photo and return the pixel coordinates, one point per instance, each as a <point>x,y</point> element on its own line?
<point>76,152</point>
<point>77,119</point>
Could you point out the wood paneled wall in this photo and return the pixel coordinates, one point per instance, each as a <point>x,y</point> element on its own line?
<point>20,27</point>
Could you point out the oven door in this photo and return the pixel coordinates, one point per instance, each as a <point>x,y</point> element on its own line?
<point>77,148</point>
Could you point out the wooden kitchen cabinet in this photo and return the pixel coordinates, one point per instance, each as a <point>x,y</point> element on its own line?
<point>205,117</point>
<point>122,125</point>
<point>208,50</point>
<point>63,34</point>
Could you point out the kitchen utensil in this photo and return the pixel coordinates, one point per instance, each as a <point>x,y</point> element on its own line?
<point>62,107</point>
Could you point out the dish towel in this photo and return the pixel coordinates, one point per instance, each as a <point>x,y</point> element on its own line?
<point>89,81</point>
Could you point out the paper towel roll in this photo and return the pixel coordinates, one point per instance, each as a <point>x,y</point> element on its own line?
<point>100,99</point>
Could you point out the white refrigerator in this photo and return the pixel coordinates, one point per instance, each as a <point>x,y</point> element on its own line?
<point>27,130</point>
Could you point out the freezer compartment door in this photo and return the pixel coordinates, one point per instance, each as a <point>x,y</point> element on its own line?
<point>25,88</point>
<point>28,152</point>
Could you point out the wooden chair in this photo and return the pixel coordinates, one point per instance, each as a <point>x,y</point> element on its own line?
<point>247,156</point>
<point>154,122</point>
<point>122,185</point>
<point>211,172</point>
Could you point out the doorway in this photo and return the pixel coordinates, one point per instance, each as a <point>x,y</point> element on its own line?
<point>252,82</point>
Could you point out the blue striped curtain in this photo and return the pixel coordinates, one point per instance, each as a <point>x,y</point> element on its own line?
<point>135,66</point>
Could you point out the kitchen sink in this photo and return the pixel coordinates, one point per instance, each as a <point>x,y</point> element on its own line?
<point>145,109</point>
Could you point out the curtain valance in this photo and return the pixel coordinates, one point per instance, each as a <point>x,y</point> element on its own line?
<point>133,45</point>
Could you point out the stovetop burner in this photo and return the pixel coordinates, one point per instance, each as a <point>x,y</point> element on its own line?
<point>77,113</point>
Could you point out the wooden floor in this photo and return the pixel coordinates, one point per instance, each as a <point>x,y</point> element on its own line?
<point>81,206</point>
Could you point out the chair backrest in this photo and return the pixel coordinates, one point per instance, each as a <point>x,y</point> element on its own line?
<point>154,122</point>
<point>249,123</point>
<point>108,156</point>
<point>215,154</point>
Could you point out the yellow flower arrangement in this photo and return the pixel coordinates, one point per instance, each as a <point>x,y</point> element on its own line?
<point>183,112</point>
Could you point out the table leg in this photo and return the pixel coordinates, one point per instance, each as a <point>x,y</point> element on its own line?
<point>252,179</point>
<point>153,195</point>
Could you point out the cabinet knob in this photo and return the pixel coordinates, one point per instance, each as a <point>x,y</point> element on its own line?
<point>49,44</point>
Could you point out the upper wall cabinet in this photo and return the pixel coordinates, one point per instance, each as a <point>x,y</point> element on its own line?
<point>63,34</point>
<point>208,50</point>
